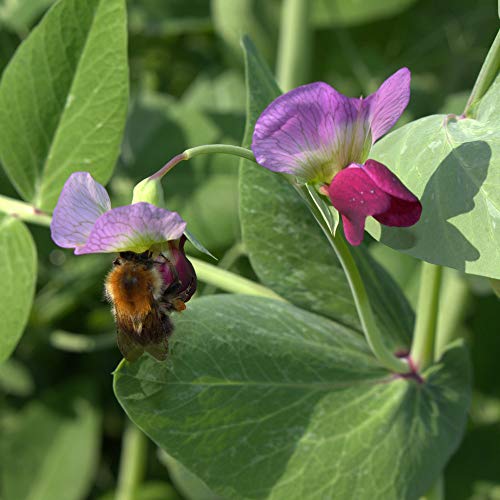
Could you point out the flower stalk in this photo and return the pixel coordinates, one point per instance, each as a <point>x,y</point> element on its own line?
<point>363,306</point>
<point>424,336</point>
<point>203,150</point>
<point>23,211</point>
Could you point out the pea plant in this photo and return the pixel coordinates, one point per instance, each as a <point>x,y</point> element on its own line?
<point>289,291</point>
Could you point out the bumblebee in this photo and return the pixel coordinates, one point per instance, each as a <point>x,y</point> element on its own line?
<point>144,290</point>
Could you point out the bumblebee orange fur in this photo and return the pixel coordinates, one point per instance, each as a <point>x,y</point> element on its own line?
<point>133,288</point>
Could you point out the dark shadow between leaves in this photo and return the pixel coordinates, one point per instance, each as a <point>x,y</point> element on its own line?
<point>449,192</point>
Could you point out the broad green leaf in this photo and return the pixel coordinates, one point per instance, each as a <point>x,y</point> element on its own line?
<point>18,271</point>
<point>453,166</point>
<point>51,451</point>
<point>288,250</point>
<point>329,13</point>
<point>19,15</point>
<point>261,399</point>
<point>63,99</point>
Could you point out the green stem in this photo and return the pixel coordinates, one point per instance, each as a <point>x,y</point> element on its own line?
<point>358,290</point>
<point>294,44</point>
<point>230,257</point>
<point>453,301</point>
<point>132,462</point>
<point>23,211</point>
<point>228,281</point>
<point>488,73</point>
<point>424,336</point>
<point>204,150</point>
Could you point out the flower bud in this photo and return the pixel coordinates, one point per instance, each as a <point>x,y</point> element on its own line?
<point>150,191</point>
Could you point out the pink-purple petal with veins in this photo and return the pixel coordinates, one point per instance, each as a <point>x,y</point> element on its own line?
<point>387,104</point>
<point>134,228</point>
<point>312,132</point>
<point>81,202</point>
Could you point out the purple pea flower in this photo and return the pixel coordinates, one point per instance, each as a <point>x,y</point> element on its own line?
<point>321,136</point>
<point>84,220</point>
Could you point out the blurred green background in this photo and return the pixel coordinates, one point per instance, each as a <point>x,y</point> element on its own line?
<point>187,88</point>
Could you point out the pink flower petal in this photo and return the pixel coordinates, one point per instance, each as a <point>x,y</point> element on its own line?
<point>372,189</point>
<point>312,132</point>
<point>355,196</point>
<point>133,228</point>
<point>387,104</point>
<point>81,203</point>
<point>184,270</point>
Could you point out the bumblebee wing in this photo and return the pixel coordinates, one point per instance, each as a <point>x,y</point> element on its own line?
<point>130,349</point>
<point>157,329</point>
<point>158,351</point>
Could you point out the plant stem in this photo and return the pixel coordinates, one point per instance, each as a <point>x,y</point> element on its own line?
<point>230,257</point>
<point>488,73</point>
<point>203,150</point>
<point>424,336</point>
<point>294,44</point>
<point>363,306</point>
<point>132,462</point>
<point>230,282</point>
<point>23,211</point>
<point>365,311</point>
<point>453,301</point>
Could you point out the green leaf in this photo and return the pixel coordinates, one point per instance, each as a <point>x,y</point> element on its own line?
<point>53,447</point>
<point>453,166</point>
<point>18,269</point>
<point>261,399</point>
<point>63,99</point>
<point>329,13</point>
<point>288,250</point>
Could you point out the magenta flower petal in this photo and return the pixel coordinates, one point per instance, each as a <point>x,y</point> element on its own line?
<point>81,203</point>
<point>311,132</point>
<point>180,268</point>
<point>134,228</point>
<point>387,104</point>
<point>371,189</point>
<point>405,209</point>
<point>355,196</point>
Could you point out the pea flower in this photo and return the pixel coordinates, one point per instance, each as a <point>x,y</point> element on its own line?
<point>84,220</point>
<point>321,136</point>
